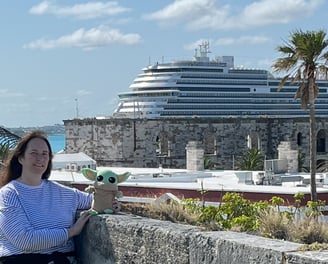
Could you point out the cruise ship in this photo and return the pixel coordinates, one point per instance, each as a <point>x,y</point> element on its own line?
<point>212,88</point>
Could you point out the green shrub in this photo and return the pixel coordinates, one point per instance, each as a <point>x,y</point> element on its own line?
<point>265,218</point>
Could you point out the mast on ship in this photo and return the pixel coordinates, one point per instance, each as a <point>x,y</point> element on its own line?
<point>204,49</point>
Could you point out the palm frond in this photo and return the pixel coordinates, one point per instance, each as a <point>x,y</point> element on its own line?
<point>282,82</point>
<point>297,77</point>
<point>284,64</point>
<point>298,93</point>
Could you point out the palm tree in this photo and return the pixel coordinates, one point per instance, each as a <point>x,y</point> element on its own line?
<point>305,59</point>
<point>251,160</point>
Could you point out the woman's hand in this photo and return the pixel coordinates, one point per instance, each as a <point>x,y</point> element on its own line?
<point>78,225</point>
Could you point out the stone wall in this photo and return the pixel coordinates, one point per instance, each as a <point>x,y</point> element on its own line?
<point>155,142</point>
<point>124,238</point>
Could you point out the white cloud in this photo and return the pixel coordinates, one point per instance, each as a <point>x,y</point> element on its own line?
<point>243,40</point>
<point>207,14</point>
<point>5,93</point>
<point>182,10</point>
<point>194,12</point>
<point>84,92</point>
<point>268,12</point>
<point>196,44</point>
<point>82,11</point>
<point>87,39</point>
<point>42,98</point>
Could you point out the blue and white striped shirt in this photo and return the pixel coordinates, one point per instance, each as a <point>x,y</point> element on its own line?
<point>36,218</point>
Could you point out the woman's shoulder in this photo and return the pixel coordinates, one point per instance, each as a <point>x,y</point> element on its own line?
<point>55,184</point>
<point>58,186</point>
<point>8,188</point>
<point>8,192</point>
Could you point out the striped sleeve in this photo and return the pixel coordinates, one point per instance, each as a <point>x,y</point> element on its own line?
<point>17,229</point>
<point>84,200</point>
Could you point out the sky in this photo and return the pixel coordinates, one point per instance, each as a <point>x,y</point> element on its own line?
<point>62,60</point>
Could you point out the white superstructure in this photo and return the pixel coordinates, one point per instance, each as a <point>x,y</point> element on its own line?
<point>212,88</point>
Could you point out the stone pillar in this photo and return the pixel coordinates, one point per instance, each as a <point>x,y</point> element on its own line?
<point>195,156</point>
<point>286,151</point>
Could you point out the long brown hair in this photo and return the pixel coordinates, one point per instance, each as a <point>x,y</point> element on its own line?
<point>13,169</point>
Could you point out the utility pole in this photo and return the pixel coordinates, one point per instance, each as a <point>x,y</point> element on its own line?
<point>77,107</point>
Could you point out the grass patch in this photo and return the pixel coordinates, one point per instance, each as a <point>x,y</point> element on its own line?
<point>308,230</point>
<point>173,212</point>
<point>273,224</point>
<point>314,247</point>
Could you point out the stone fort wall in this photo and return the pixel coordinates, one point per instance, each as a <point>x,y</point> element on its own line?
<point>155,142</point>
<point>124,238</point>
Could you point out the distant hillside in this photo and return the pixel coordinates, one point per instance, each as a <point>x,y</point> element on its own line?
<point>49,130</point>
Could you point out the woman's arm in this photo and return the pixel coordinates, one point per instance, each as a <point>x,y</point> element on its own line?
<point>20,233</point>
<point>84,199</point>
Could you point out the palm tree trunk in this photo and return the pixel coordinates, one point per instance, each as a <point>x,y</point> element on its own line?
<point>313,142</point>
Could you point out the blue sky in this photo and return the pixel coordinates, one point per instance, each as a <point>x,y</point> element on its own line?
<point>62,59</point>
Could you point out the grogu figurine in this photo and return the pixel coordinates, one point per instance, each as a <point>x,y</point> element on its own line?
<point>105,189</point>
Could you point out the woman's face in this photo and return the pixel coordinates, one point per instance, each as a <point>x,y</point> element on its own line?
<point>36,157</point>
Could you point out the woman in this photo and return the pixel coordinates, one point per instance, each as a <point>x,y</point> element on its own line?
<point>37,215</point>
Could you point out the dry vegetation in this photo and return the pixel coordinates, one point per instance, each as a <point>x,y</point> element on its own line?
<point>270,222</point>
<point>173,212</point>
<point>306,229</point>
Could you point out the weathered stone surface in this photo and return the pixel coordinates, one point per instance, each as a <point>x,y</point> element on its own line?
<point>149,143</point>
<point>232,247</point>
<point>124,238</point>
<point>308,257</point>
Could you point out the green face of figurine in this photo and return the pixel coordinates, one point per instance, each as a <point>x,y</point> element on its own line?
<point>105,176</point>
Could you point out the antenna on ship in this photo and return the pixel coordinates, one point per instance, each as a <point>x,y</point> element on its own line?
<point>204,49</point>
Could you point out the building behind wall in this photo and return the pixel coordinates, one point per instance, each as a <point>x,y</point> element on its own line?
<point>72,161</point>
<point>154,142</point>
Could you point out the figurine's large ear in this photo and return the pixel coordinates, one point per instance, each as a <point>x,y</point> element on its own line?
<point>89,173</point>
<point>123,177</point>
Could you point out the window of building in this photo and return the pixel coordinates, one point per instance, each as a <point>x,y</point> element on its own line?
<point>162,144</point>
<point>321,141</point>
<point>299,139</point>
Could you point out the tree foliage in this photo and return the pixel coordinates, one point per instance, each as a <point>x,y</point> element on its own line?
<point>304,60</point>
<point>253,160</point>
